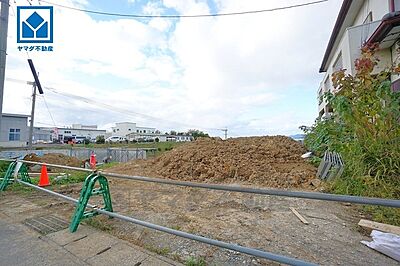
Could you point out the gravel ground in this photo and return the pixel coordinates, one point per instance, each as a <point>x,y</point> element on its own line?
<point>262,222</point>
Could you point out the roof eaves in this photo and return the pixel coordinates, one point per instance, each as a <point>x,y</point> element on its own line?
<point>389,21</point>
<point>335,32</point>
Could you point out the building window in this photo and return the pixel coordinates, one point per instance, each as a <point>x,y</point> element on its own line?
<point>327,83</point>
<point>15,134</point>
<point>114,130</point>
<point>144,131</point>
<point>137,130</point>
<point>129,129</point>
<point>338,65</point>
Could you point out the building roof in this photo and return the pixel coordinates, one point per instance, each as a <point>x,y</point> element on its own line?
<point>388,30</point>
<point>82,129</point>
<point>345,19</point>
<point>15,115</point>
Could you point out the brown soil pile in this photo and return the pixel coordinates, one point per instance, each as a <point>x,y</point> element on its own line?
<point>269,161</point>
<point>54,158</point>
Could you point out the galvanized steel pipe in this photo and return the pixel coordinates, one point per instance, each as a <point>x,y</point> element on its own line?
<point>273,192</point>
<point>245,250</point>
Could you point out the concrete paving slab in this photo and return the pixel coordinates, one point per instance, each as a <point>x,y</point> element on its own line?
<point>21,246</point>
<point>152,261</point>
<point>91,245</point>
<point>119,254</point>
<point>64,237</point>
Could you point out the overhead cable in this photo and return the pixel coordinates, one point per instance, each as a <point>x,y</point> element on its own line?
<point>184,16</point>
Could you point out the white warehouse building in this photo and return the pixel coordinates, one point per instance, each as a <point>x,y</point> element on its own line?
<point>78,132</point>
<point>123,129</point>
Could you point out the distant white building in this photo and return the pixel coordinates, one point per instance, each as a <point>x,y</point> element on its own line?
<point>135,136</point>
<point>42,135</point>
<point>123,129</point>
<point>78,132</point>
<point>14,130</point>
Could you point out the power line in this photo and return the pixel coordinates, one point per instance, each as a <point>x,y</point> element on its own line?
<point>48,109</point>
<point>115,108</point>
<point>184,16</point>
<point>125,111</point>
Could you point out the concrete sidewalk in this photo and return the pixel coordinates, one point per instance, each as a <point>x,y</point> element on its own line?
<point>22,245</point>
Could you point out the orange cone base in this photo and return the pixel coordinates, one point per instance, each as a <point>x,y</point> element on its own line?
<point>44,177</point>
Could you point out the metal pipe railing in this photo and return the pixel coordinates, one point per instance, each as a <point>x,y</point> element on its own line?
<point>272,192</point>
<point>221,244</point>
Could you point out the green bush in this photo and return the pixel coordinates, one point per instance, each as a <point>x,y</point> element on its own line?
<point>100,140</point>
<point>365,129</point>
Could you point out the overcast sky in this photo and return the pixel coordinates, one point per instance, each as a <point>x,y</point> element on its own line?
<point>254,74</point>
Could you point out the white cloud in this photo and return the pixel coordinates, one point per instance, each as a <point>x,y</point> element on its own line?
<point>212,72</point>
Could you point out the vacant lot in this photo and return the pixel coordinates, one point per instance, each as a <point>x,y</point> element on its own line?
<point>262,222</point>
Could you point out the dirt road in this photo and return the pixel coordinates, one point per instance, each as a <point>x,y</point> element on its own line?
<point>262,222</point>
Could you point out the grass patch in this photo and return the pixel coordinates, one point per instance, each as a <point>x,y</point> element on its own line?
<point>370,187</point>
<point>73,178</point>
<point>98,224</point>
<point>193,261</point>
<point>70,177</point>
<point>176,227</point>
<point>158,250</point>
<point>19,188</point>
<point>107,165</point>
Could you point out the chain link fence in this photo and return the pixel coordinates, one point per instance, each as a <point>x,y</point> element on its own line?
<point>112,154</point>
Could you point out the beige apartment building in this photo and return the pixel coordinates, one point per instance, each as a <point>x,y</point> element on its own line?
<point>360,22</point>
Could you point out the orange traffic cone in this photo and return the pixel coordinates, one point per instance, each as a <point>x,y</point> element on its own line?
<point>92,160</point>
<point>44,177</point>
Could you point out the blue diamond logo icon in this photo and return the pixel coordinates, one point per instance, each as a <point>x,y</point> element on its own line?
<point>35,20</point>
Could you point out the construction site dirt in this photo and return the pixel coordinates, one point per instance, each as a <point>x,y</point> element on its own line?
<point>332,236</point>
<point>263,222</point>
<point>265,161</point>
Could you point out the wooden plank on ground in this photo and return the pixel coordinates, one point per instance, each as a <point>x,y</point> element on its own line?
<point>301,218</point>
<point>379,226</point>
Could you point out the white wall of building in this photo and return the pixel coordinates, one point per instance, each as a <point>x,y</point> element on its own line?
<point>125,128</point>
<point>351,42</point>
<point>14,130</point>
<point>64,133</point>
<point>377,8</point>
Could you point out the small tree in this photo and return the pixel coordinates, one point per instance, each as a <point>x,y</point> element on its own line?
<point>195,133</point>
<point>365,129</point>
<point>100,140</point>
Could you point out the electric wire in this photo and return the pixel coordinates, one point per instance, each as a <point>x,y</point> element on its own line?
<point>125,111</point>
<point>184,16</point>
<point>131,113</point>
<point>48,109</point>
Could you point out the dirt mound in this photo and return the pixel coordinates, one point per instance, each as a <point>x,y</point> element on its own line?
<point>269,161</point>
<point>54,158</point>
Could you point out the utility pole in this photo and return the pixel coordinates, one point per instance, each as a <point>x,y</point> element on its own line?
<point>35,84</point>
<point>32,117</point>
<point>225,132</point>
<point>3,50</point>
